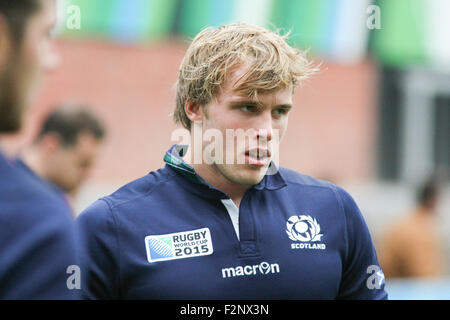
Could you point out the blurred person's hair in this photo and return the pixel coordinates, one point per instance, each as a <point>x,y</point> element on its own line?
<point>17,13</point>
<point>428,192</point>
<point>68,122</point>
<point>215,52</point>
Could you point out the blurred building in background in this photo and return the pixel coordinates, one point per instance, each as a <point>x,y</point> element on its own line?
<point>376,120</point>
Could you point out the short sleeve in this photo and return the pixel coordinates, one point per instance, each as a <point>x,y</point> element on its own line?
<point>362,276</point>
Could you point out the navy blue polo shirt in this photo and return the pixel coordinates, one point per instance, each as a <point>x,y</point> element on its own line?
<point>37,237</point>
<point>170,235</point>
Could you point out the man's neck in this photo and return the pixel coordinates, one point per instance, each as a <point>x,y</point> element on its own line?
<point>32,159</point>
<point>212,176</point>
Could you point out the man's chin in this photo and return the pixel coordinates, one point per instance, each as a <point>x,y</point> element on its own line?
<point>249,175</point>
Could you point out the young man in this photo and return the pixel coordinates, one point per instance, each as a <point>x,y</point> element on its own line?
<point>37,238</point>
<point>65,149</point>
<point>230,225</point>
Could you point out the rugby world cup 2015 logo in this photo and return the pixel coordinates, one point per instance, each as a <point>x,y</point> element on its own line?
<point>304,229</point>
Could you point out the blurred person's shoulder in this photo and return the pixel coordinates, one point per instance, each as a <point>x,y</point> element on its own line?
<point>404,231</point>
<point>405,225</point>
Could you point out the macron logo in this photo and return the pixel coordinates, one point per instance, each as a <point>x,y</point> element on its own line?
<point>262,268</point>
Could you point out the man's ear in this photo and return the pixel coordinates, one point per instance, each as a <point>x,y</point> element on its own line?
<point>194,111</point>
<point>5,41</point>
<point>50,142</point>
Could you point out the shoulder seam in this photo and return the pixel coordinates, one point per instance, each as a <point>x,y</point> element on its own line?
<point>113,206</point>
<point>310,185</point>
<point>341,204</point>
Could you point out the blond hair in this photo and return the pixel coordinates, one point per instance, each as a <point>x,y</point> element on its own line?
<point>215,52</point>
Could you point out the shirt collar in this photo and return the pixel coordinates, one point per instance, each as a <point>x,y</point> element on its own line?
<point>173,158</point>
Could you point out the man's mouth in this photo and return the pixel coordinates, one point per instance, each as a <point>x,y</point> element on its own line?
<point>258,157</point>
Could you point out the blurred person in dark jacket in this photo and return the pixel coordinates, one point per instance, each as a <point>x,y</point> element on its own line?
<point>37,235</point>
<point>412,246</point>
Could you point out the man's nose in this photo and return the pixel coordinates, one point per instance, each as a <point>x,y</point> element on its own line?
<point>265,127</point>
<point>52,58</point>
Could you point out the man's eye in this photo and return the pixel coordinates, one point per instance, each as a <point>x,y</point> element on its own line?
<point>281,111</point>
<point>248,108</point>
